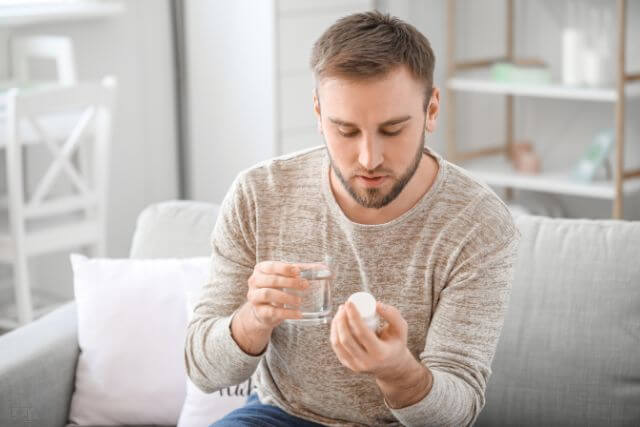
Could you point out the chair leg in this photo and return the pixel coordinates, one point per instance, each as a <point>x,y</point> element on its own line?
<point>98,249</point>
<point>16,187</point>
<point>22,289</point>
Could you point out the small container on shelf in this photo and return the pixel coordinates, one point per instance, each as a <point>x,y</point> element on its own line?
<point>525,159</point>
<point>521,71</point>
<point>595,158</point>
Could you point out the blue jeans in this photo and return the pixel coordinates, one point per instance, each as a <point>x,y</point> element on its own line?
<point>254,413</point>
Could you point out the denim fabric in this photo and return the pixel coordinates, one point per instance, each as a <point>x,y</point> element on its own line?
<point>255,414</point>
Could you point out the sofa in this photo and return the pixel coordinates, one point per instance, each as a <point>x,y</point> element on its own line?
<point>569,353</point>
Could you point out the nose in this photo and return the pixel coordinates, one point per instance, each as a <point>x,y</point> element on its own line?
<point>370,154</point>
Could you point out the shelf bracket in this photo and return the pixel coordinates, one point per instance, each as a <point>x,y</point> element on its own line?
<point>632,174</point>
<point>483,152</point>
<point>479,63</point>
<point>632,77</point>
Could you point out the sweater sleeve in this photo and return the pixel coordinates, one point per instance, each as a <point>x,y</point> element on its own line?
<point>212,357</point>
<point>466,325</point>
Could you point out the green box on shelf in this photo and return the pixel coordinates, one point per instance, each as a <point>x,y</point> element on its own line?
<point>508,72</point>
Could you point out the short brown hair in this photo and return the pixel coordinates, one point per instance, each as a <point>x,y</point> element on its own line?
<point>369,45</point>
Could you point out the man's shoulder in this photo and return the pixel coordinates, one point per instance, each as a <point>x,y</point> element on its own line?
<point>462,183</point>
<point>480,205</point>
<point>281,177</point>
<point>289,169</point>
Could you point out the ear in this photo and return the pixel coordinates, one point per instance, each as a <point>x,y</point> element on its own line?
<point>432,110</point>
<point>316,108</point>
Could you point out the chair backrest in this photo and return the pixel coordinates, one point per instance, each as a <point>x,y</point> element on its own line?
<point>65,119</point>
<point>57,48</point>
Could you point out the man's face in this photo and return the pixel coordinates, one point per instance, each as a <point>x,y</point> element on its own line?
<point>374,131</point>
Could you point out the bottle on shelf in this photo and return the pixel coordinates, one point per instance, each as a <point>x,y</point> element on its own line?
<point>573,45</point>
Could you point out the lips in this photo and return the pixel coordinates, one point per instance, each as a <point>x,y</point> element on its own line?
<point>372,181</point>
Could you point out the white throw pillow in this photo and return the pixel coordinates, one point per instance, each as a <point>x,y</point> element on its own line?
<point>200,408</point>
<point>131,332</point>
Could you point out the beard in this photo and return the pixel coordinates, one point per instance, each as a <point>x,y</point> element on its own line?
<point>375,197</point>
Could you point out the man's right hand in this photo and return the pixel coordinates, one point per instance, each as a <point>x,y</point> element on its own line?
<point>252,325</point>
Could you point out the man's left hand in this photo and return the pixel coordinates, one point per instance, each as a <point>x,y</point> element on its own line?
<point>402,380</point>
<point>361,350</point>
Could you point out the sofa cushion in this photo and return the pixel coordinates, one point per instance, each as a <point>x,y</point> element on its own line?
<point>181,229</point>
<point>568,354</point>
<point>174,229</point>
<point>131,331</point>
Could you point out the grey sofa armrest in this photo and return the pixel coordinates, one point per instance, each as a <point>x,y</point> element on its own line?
<point>37,370</point>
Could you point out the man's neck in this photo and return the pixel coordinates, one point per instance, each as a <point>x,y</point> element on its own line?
<point>416,188</point>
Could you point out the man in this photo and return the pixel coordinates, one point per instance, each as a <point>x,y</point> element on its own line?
<point>435,247</point>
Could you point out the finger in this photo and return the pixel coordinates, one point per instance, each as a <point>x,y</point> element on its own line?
<point>393,317</point>
<point>264,280</point>
<point>346,338</point>
<point>273,296</point>
<point>311,266</point>
<point>280,268</point>
<point>361,332</point>
<point>305,265</point>
<point>270,314</point>
<point>333,333</point>
<point>343,356</point>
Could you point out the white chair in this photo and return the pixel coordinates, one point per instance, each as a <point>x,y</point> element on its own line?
<point>64,221</point>
<point>24,49</point>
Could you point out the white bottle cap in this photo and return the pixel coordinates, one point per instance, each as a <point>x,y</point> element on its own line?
<point>365,303</point>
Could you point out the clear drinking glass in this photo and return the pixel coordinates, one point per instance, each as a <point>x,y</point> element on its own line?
<point>316,300</point>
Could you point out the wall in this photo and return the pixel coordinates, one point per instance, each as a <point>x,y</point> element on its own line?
<point>136,47</point>
<point>250,91</point>
<point>230,67</point>
<point>300,23</point>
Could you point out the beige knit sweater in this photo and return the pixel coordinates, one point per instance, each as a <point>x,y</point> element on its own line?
<point>446,264</point>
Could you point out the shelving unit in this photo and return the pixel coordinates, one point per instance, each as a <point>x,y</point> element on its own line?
<point>492,164</point>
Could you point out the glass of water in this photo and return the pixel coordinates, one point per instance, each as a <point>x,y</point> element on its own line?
<point>316,299</point>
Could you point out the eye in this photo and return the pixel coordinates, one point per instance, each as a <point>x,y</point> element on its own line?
<point>348,134</point>
<point>387,133</point>
<point>355,132</point>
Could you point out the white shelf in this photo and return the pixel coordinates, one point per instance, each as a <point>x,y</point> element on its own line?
<point>29,14</point>
<point>497,171</point>
<point>485,85</point>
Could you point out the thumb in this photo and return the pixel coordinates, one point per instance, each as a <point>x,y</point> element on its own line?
<point>392,315</point>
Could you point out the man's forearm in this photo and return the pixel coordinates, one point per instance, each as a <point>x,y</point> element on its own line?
<point>251,337</point>
<point>410,385</point>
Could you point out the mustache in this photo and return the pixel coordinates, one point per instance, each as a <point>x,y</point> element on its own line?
<point>374,172</point>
